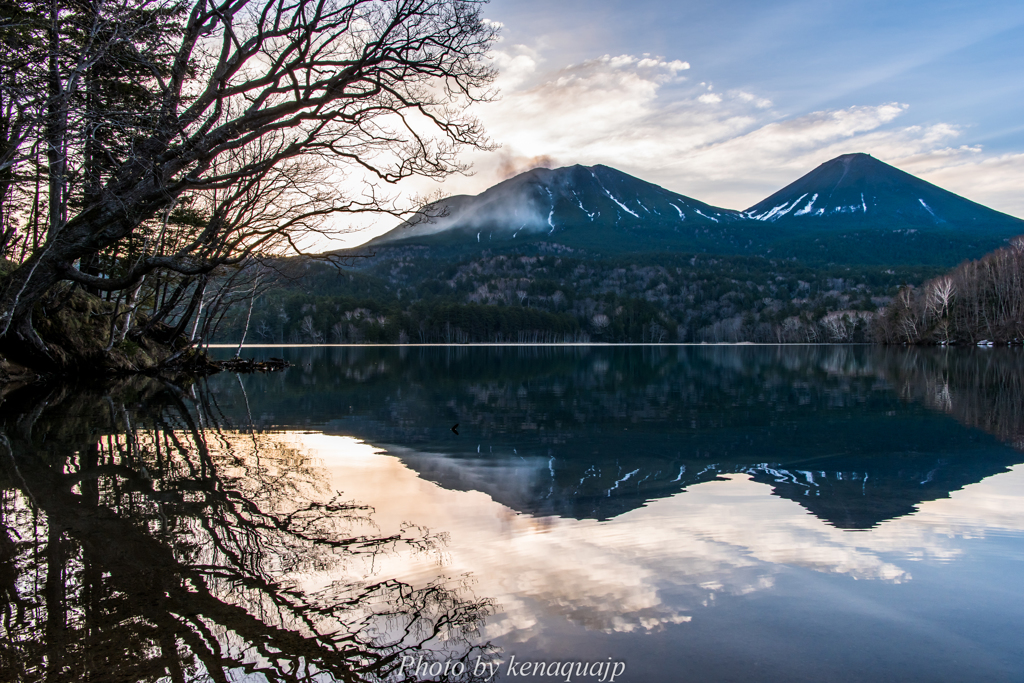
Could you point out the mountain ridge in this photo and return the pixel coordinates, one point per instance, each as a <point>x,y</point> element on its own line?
<point>851,209</point>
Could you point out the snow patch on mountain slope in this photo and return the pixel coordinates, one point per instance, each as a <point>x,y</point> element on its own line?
<point>927,208</point>
<point>809,207</point>
<point>551,214</point>
<point>579,202</point>
<point>621,205</point>
<point>780,210</point>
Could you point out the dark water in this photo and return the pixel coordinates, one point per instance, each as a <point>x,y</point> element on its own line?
<point>636,513</point>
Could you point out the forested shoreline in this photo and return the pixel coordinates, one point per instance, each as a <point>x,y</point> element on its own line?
<point>979,301</point>
<point>550,293</point>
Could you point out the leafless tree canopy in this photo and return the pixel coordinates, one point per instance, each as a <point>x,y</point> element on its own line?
<point>142,136</point>
<point>977,301</point>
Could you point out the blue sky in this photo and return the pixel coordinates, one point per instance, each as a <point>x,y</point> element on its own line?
<point>729,100</point>
<point>951,61</point>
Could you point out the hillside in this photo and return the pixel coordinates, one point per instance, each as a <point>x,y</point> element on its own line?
<point>593,254</point>
<point>978,302</point>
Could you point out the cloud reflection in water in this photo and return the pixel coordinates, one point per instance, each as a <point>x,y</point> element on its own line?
<point>655,565</point>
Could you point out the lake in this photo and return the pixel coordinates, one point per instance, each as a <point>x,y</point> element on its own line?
<point>536,513</point>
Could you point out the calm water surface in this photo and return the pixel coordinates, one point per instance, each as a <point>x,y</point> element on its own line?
<point>684,513</point>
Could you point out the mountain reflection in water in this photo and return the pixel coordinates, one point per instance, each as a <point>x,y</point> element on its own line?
<point>322,523</point>
<point>850,433</point>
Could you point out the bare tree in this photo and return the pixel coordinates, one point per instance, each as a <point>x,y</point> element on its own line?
<point>254,112</point>
<point>978,300</point>
<point>309,332</point>
<point>942,291</point>
<point>248,314</point>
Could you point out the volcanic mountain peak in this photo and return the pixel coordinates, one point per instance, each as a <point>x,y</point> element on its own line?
<point>857,188</point>
<point>542,202</point>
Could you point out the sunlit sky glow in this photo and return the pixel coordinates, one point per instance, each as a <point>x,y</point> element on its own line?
<point>727,101</point>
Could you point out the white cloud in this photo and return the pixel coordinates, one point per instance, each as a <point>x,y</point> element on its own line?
<point>516,64</point>
<point>993,181</point>
<point>606,110</point>
<point>710,98</point>
<point>657,63</point>
<point>759,102</point>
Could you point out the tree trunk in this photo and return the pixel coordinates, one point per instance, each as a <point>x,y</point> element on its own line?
<point>248,317</point>
<point>56,127</point>
<point>23,289</point>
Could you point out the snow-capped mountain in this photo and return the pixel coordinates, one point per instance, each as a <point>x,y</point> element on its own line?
<point>857,189</point>
<point>852,209</point>
<point>577,203</point>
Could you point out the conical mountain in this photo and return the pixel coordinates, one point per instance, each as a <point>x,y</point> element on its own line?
<point>859,190</point>
<point>593,206</point>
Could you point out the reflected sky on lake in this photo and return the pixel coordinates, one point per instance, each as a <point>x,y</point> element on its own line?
<point>659,564</point>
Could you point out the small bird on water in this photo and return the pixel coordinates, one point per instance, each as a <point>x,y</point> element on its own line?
<point>455,429</point>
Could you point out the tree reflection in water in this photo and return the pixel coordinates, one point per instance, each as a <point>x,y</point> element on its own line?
<point>142,540</point>
<point>981,388</point>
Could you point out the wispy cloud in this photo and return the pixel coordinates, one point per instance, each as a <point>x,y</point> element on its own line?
<point>992,180</point>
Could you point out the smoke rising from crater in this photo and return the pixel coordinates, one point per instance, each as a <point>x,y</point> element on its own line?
<point>510,166</point>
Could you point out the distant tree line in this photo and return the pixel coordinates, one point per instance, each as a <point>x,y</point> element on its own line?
<point>538,295</point>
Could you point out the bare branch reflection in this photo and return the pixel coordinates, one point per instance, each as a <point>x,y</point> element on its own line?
<point>981,388</point>
<point>141,538</point>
